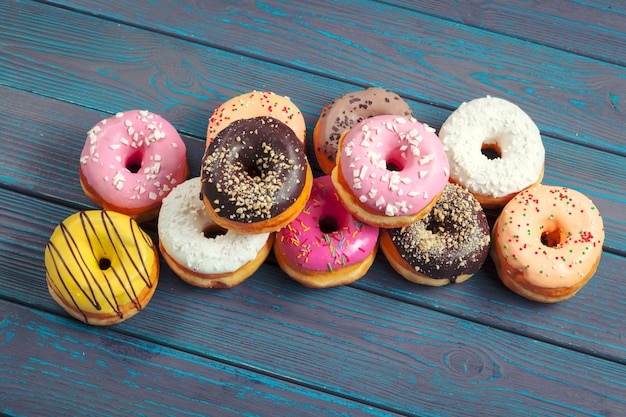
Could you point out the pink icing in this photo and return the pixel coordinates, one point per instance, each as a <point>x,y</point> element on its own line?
<point>303,242</point>
<point>133,159</point>
<point>376,144</point>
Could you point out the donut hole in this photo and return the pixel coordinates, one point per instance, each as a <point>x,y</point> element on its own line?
<point>213,231</point>
<point>491,151</point>
<point>551,238</point>
<point>328,224</point>
<point>104,264</point>
<point>394,164</point>
<point>133,163</point>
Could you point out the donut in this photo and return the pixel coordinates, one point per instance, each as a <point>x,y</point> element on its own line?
<point>347,110</point>
<point>495,150</point>
<point>547,243</point>
<point>449,245</point>
<point>255,176</point>
<point>325,246</point>
<point>254,104</point>
<point>200,252</point>
<point>390,170</point>
<point>131,161</point>
<point>101,267</point>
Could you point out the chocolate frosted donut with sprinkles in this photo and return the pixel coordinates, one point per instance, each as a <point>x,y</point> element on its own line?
<point>448,245</point>
<point>390,170</point>
<point>131,161</point>
<point>255,176</point>
<point>346,111</point>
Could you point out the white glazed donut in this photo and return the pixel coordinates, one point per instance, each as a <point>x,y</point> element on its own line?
<point>495,123</point>
<point>187,243</point>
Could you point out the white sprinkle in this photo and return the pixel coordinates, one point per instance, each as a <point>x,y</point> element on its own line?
<point>152,196</point>
<point>363,172</point>
<point>128,123</point>
<point>413,193</point>
<point>372,192</point>
<point>380,201</point>
<point>118,115</point>
<point>423,173</point>
<point>115,146</point>
<point>118,158</point>
<point>143,113</point>
<point>400,120</point>
<point>428,128</point>
<point>362,199</point>
<point>157,157</point>
<point>84,159</point>
<point>425,195</point>
<point>390,210</point>
<point>405,180</point>
<point>92,137</point>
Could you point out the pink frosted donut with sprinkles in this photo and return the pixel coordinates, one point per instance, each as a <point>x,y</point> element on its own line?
<point>390,170</point>
<point>325,246</point>
<point>547,243</point>
<point>131,161</point>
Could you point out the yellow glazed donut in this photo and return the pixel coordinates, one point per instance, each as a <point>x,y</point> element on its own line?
<point>547,243</point>
<point>254,104</point>
<point>495,125</point>
<point>101,267</point>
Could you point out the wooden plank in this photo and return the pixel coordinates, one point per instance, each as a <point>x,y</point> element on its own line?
<point>419,56</point>
<point>53,366</point>
<point>46,162</point>
<point>591,28</point>
<point>279,328</point>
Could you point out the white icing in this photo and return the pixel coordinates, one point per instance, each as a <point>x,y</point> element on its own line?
<point>492,120</point>
<point>182,221</point>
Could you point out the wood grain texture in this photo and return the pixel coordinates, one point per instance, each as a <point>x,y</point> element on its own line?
<point>271,346</point>
<point>420,57</point>
<point>594,29</point>
<point>279,328</point>
<point>74,370</point>
<point>47,160</point>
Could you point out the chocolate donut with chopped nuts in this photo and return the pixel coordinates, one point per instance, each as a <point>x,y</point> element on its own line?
<point>255,176</point>
<point>448,245</point>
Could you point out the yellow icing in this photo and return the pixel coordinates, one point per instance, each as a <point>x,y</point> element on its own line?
<point>99,260</point>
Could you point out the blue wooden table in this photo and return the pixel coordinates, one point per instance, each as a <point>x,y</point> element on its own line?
<point>271,347</point>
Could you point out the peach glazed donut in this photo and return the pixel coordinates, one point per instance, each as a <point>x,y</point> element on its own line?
<point>390,170</point>
<point>325,246</point>
<point>495,150</point>
<point>255,176</point>
<point>200,252</point>
<point>101,267</point>
<point>131,161</point>
<point>547,243</point>
<point>254,104</point>
<point>449,245</point>
<point>345,112</point>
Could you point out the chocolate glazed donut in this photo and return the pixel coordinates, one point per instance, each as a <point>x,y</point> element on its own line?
<point>447,246</point>
<point>254,175</point>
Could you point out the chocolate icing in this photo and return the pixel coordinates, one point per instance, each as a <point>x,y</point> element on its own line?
<point>451,240</point>
<point>253,170</point>
<point>348,110</point>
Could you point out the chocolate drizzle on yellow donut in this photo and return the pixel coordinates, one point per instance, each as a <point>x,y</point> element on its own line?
<point>253,170</point>
<point>99,260</point>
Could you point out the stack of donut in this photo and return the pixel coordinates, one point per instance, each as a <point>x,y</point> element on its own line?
<point>389,181</point>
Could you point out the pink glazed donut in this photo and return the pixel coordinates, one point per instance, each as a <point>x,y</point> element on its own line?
<point>131,161</point>
<point>390,170</point>
<point>325,246</point>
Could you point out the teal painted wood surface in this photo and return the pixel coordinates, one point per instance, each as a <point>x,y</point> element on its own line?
<point>381,346</point>
<point>74,370</point>
<point>277,327</point>
<point>418,56</point>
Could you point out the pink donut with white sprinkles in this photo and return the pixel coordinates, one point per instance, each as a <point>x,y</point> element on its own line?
<point>131,161</point>
<point>390,170</point>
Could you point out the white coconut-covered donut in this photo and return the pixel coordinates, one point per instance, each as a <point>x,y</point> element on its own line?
<point>199,251</point>
<point>514,139</point>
